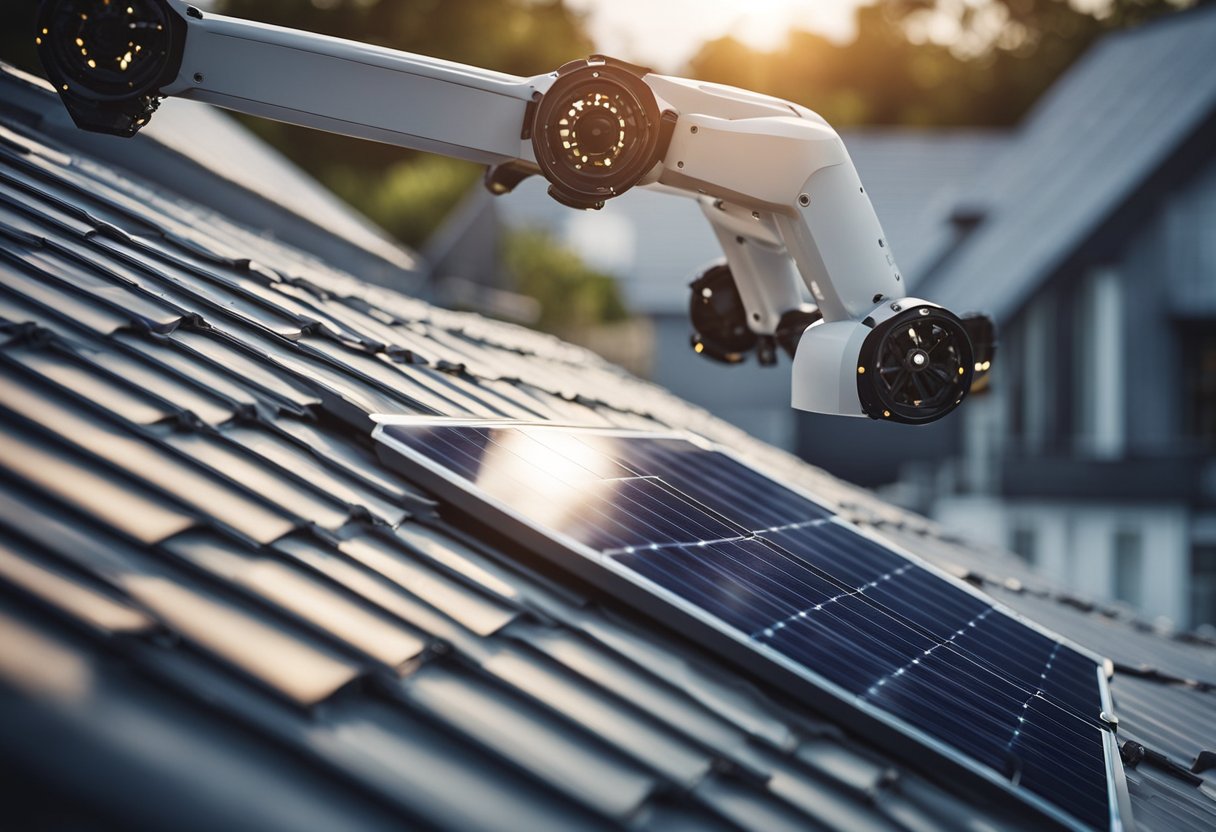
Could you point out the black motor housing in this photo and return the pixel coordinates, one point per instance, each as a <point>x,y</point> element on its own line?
<point>108,59</point>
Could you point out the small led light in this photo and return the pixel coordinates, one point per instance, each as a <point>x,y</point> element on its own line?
<point>698,347</point>
<point>861,369</point>
<point>961,371</point>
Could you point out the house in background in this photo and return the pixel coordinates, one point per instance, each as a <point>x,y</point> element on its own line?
<point>1091,242</point>
<point>1088,232</point>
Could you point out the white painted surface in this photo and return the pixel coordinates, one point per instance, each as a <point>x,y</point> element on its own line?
<point>1075,544</point>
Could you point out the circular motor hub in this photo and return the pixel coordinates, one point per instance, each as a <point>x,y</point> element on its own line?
<point>915,367</point>
<point>596,132</point>
<point>719,321</point>
<point>109,58</point>
<point>108,47</point>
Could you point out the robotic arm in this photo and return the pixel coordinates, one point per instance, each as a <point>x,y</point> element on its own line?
<point>773,179</point>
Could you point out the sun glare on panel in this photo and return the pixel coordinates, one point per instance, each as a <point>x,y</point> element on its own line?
<point>544,474</point>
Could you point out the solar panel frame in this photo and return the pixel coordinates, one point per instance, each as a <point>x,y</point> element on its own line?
<point>626,584</point>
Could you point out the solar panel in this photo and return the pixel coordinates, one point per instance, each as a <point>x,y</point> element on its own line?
<point>772,579</point>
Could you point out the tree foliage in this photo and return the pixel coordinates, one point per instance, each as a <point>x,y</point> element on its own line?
<point>572,295</point>
<point>928,62</point>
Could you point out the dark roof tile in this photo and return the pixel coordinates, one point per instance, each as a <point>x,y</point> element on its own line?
<point>139,750</point>
<point>753,809</point>
<point>148,459</point>
<point>77,480</point>
<point>76,598</point>
<point>653,694</point>
<point>132,403</point>
<point>302,672</point>
<point>329,612</point>
<point>479,612</point>
<point>559,752</point>
<point>290,497</point>
<point>317,471</point>
<point>680,759</point>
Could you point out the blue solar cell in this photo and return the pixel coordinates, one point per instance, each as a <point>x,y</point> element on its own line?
<point>757,559</point>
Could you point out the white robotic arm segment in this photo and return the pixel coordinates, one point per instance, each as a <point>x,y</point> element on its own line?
<point>773,178</point>
<point>353,88</point>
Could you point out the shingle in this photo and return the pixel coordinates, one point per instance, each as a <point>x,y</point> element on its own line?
<point>142,458</point>
<point>822,799</point>
<point>129,402</point>
<point>187,394</point>
<point>457,559</point>
<point>379,372</point>
<point>652,694</point>
<point>24,210</point>
<point>74,598</point>
<point>143,310</point>
<point>303,673</point>
<point>753,809</point>
<point>1164,803</point>
<point>617,721</point>
<point>377,590</point>
<point>845,766</point>
<point>729,697</point>
<point>347,396</point>
<point>480,613</point>
<point>53,303</point>
<point>164,353</point>
<point>59,529</point>
<point>291,498</point>
<point>215,299</point>
<point>89,487</point>
<point>586,770</point>
<point>225,356</point>
<point>668,816</point>
<point>330,479</point>
<point>143,757</point>
<point>1172,719</point>
<point>449,782</point>
<point>329,612</point>
<point>357,461</point>
<point>19,310</point>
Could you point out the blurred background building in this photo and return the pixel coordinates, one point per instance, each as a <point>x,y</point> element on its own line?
<point>1047,161</point>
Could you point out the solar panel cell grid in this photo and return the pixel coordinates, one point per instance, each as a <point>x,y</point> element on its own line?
<point>804,589</point>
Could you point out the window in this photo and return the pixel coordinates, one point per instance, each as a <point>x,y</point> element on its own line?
<point>1127,566</point>
<point>1023,542</point>
<point>1203,584</point>
<point>1099,382</point>
<point>1199,408</point>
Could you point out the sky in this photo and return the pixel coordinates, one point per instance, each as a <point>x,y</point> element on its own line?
<point>664,34</point>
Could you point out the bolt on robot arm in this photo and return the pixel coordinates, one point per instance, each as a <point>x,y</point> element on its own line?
<point>772,178</point>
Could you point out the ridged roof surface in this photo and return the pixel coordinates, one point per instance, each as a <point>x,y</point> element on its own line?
<point>219,610</point>
<point>1096,138</point>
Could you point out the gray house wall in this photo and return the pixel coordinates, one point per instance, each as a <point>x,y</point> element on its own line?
<point>1119,504</point>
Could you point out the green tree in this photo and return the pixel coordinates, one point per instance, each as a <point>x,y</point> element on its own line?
<point>572,295</point>
<point>1001,56</point>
